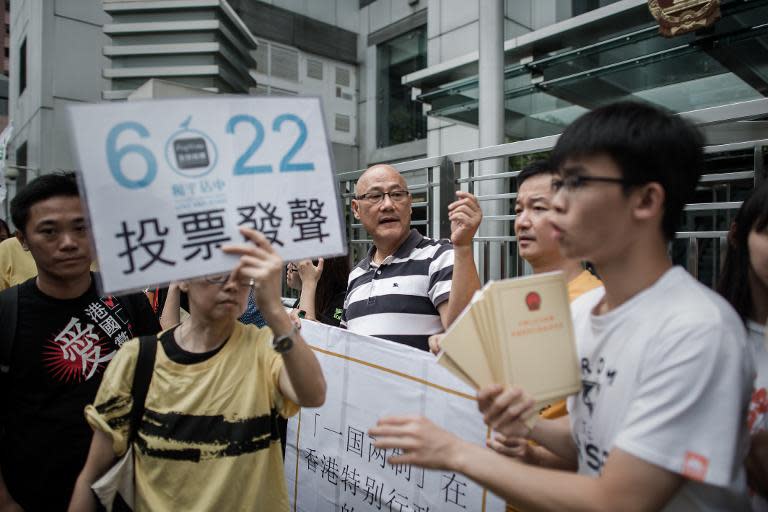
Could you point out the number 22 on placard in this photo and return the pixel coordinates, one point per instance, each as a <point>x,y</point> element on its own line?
<point>286,165</point>
<point>115,155</point>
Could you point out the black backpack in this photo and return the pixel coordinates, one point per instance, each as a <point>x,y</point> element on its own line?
<point>9,314</point>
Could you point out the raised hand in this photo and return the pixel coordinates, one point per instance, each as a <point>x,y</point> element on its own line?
<point>308,272</point>
<point>465,216</point>
<point>263,266</point>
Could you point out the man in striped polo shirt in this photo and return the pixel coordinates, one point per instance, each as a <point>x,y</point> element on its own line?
<point>408,287</point>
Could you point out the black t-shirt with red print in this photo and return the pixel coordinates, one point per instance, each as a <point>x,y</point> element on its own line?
<point>59,355</point>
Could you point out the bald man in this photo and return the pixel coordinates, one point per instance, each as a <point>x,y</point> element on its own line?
<point>409,286</point>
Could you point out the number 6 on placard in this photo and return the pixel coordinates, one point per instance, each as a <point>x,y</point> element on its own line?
<point>115,156</point>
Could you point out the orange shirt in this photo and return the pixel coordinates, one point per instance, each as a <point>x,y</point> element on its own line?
<point>583,283</point>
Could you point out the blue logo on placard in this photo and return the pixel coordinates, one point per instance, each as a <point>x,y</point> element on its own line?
<point>189,152</point>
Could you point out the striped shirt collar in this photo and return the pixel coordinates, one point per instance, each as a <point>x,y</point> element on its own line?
<point>413,241</point>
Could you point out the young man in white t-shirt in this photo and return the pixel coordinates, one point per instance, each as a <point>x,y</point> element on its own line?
<point>660,422</point>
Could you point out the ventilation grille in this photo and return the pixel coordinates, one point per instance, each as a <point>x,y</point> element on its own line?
<point>342,77</point>
<point>314,69</point>
<point>285,64</point>
<point>343,123</point>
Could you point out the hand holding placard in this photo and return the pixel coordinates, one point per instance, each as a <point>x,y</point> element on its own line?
<point>260,264</point>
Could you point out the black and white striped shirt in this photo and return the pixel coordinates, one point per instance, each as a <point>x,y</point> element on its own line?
<point>398,299</point>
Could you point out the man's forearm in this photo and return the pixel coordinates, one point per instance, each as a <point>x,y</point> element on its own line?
<point>527,487</point>
<point>555,436</point>
<point>464,283</point>
<point>540,456</point>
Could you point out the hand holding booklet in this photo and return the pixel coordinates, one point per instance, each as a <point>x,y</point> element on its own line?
<point>516,332</point>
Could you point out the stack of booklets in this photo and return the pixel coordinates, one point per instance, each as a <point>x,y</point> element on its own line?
<point>516,332</point>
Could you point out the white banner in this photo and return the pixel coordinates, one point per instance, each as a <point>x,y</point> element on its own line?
<point>168,182</point>
<point>330,462</point>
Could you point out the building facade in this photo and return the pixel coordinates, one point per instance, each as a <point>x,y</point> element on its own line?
<point>56,59</point>
<point>398,78</point>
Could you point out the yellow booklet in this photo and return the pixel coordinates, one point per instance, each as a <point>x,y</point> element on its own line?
<point>517,332</point>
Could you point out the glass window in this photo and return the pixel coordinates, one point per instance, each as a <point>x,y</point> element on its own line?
<point>23,66</point>
<point>399,119</point>
<point>582,6</point>
<point>21,163</point>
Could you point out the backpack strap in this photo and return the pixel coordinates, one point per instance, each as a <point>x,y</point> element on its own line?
<point>9,313</point>
<point>142,377</point>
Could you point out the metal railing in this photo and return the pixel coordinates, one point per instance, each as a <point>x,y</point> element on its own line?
<point>731,172</point>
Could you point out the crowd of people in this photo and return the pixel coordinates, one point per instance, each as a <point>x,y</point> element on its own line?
<point>672,414</point>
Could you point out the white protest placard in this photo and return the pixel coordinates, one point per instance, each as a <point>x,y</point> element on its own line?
<point>331,464</point>
<point>167,182</point>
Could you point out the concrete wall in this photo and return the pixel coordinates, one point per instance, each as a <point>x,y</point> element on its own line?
<point>64,66</point>
<point>65,62</point>
<point>340,13</point>
<point>347,14</point>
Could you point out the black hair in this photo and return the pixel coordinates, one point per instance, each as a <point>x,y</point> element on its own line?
<point>647,144</point>
<point>4,227</point>
<point>733,283</point>
<point>332,281</point>
<point>535,168</point>
<point>44,187</point>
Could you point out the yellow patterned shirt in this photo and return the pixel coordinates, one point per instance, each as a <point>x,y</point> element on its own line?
<point>16,264</point>
<point>209,436</point>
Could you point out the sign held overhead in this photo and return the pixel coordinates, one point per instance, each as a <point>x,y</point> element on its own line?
<point>166,183</point>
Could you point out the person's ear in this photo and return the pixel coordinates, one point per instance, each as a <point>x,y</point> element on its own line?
<point>356,209</point>
<point>21,239</point>
<point>649,201</point>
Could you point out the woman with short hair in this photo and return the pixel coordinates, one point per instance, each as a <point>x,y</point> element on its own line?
<point>208,438</point>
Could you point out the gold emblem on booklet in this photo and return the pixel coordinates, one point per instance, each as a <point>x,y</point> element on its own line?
<point>677,17</point>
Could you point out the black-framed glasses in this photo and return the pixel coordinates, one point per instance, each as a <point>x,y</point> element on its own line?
<point>396,196</point>
<point>577,181</point>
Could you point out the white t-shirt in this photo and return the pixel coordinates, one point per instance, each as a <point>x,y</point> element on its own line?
<point>758,407</point>
<point>666,377</point>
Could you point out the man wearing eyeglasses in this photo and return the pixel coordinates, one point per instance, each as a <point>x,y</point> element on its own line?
<point>409,286</point>
<point>537,245</point>
<point>659,423</point>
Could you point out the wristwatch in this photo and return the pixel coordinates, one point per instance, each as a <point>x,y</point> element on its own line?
<point>284,343</point>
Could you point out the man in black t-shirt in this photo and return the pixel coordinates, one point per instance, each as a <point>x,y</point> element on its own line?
<point>65,336</point>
